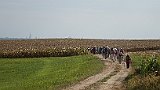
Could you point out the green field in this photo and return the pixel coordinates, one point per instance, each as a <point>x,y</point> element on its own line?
<point>46,73</point>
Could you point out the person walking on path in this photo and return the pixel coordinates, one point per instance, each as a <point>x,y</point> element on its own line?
<point>128,61</point>
<point>120,56</point>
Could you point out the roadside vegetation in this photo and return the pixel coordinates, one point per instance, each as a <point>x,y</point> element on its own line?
<point>146,69</point>
<point>49,73</point>
<point>55,52</point>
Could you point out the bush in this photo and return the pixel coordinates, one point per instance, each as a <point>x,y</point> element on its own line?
<point>150,82</point>
<point>56,52</point>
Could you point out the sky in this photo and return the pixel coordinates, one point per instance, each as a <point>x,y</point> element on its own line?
<point>97,19</point>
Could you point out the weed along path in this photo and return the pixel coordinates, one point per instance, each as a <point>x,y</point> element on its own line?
<point>111,78</point>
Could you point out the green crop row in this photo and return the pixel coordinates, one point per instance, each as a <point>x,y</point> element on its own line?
<point>146,63</point>
<point>148,66</point>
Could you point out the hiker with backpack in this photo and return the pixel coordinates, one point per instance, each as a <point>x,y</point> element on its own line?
<point>120,55</point>
<point>104,52</point>
<point>115,53</point>
<point>128,61</point>
<point>108,52</point>
<point>111,54</point>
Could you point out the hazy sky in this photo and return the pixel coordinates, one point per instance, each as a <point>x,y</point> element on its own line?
<point>105,19</point>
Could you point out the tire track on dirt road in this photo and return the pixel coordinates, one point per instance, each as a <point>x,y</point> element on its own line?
<point>114,82</point>
<point>109,68</point>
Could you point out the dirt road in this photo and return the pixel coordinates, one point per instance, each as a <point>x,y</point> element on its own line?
<point>111,78</point>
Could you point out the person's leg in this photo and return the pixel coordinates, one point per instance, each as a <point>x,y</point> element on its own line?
<point>119,59</point>
<point>127,65</point>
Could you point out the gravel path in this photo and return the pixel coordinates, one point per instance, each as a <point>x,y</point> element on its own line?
<point>113,83</point>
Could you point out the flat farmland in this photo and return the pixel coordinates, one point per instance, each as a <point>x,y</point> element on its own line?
<point>43,44</point>
<point>47,72</point>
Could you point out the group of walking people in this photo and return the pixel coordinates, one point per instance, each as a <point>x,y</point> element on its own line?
<point>115,54</point>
